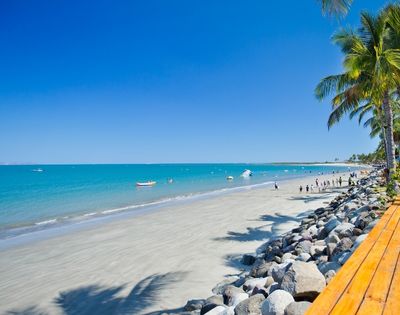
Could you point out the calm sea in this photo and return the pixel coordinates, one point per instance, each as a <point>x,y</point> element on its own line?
<point>63,193</point>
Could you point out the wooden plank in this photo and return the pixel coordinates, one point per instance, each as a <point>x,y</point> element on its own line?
<point>350,301</point>
<point>378,290</point>
<point>329,297</point>
<point>392,306</point>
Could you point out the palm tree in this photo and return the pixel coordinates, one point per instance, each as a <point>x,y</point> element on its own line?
<point>335,7</point>
<point>372,67</point>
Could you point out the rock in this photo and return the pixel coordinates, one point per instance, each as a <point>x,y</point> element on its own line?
<point>303,280</point>
<point>278,271</point>
<point>303,247</point>
<point>319,243</point>
<point>312,230</point>
<point>273,287</point>
<point>207,308</point>
<point>370,226</point>
<point>238,298</point>
<point>332,238</point>
<point>330,265</point>
<point>251,305</point>
<point>276,303</point>
<point>304,257</point>
<point>322,259</point>
<point>331,224</point>
<point>260,269</point>
<point>286,256</point>
<point>330,248</point>
<point>344,230</point>
<point>193,305</point>
<point>344,245</point>
<point>215,299</point>
<point>344,257</point>
<point>316,250</point>
<point>329,275</point>
<point>248,260</point>
<point>216,310</point>
<point>362,220</point>
<point>357,232</point>
<point>272,251</point>
<point>220,287</point>
<point>230,293</point>
<point>297,308</point>
<point>250,284</point>
<point>260,290</point>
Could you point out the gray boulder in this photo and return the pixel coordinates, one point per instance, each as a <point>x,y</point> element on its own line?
<point>304,257</point>
<point>217,310</point>
<point>251,283</point>
<point>248,260</point>
<point>331,224</point>
<point>344,245</point>
<point>359,240</point>
<point>260,268</point>
<point>303,247</point>
<point>276,303</point>
<point>193,305</point>
<point>220,287</point>
<point>317,250</point>
<point>273,287</point>
<point>215,299</point>
<point>329,275</point>
<point>303,280</point>
<point>344,230</point>
<point>278,271</point>
<point>230,293</point>
<point>330,265</point>
<point>297,308</point>
<point>250,306</point>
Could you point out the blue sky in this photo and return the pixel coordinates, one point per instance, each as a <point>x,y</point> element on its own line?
<point>170,81</point>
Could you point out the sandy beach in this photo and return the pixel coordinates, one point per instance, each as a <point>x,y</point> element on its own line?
<point>153,262</point>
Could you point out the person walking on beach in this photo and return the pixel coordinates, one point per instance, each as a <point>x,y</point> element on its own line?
<point>301,189</point>
<point>340,181</point>
<point>307,188</point>
<point>276,186</point>
<point>312,188</point>
<point>316,182</point>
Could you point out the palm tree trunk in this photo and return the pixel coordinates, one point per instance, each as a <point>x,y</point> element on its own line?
<point>390,156</point>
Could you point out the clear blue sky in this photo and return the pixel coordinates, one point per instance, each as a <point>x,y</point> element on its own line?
<point>170,81</point>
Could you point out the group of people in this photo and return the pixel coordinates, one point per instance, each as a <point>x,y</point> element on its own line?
<point>322,186</point>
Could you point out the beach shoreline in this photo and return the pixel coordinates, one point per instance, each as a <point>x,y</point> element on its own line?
<point>185,248</point>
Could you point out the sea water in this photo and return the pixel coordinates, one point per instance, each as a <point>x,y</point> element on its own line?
<point>69,193</point>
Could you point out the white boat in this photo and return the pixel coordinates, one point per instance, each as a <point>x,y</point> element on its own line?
<point>146,184</point>
<point>246,174</point>
<point>39,170</point>
<point>229,178</point>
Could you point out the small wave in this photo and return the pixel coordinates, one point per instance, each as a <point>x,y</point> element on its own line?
<point>52,221</point>
<point>90,214</point>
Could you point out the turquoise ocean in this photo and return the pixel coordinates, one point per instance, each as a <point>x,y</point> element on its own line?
<point>60,194</point>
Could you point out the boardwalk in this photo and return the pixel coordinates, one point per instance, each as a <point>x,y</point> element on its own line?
<point>369,282</point>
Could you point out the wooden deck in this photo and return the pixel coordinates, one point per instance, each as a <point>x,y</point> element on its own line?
<point>369,282</point>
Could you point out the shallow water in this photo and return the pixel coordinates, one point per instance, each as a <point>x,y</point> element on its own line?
<point>73,192</point>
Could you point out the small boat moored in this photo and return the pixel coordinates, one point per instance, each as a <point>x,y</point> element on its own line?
<point>229,178</point>
<point>38,170</point>
<point>246,174</point>
<point>146,184</point>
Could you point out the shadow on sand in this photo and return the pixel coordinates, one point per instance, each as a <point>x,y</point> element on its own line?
<point>270,230</point>
<point>96,299</point>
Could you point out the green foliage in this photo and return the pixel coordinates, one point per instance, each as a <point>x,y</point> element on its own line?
<point>335,7</point>
<point>392,189</point>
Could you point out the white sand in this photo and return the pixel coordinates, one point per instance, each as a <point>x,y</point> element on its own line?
<point>184,250</point>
